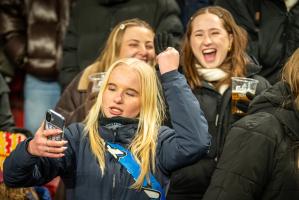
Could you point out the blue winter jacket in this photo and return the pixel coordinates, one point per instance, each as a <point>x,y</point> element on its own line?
<point>187,142</point>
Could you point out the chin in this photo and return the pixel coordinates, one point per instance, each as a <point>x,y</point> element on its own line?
<point>211,65</point>
<point>207,66</point>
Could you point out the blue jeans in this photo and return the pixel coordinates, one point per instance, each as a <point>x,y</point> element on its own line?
<point>39,96</point>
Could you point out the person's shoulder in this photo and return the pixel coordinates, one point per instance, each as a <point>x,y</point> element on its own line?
<point>263,83</point>
<point>262,123</point>
<point>73,85</point>
<point>261,79</point>
<point>75,82</point>
<point>69,96</point>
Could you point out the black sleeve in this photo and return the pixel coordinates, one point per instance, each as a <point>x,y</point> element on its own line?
<point>70,65</point>
<point>168,20</point>
<point>189,139</point>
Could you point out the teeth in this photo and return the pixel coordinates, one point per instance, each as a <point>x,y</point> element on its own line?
<point>209,51</point>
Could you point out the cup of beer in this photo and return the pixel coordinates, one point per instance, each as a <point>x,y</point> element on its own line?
<point>96,80</point>
<point>240,86</point>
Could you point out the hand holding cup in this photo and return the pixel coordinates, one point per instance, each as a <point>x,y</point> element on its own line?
<point>241,88</point>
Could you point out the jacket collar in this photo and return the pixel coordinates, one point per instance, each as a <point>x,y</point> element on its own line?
<point>118,129</point>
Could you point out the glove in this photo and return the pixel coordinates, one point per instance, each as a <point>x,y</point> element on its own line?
<point>243,105</point>
<point>162,41</point>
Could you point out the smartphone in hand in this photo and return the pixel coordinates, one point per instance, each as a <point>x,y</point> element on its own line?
<point>54,120</point>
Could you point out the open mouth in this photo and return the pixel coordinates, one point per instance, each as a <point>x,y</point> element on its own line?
<point>209,54</point>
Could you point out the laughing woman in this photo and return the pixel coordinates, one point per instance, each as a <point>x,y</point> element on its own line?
<point>213,52</point>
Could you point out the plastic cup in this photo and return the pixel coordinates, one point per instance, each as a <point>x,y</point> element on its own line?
<point>240,86</point>
<point>96,79</point>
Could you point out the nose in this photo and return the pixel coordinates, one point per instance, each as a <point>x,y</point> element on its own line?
<point>207,39</point>
<point>118,98</point>
<point>143,50</point>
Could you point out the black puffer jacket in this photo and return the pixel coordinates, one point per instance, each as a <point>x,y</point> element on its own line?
<point>92,21</point>
<point>260,157</point>
<point>273,36</point>
<point>192,181</point>
<point>32,32</point>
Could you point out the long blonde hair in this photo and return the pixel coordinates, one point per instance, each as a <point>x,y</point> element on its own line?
<point>152,111</point>
<point>290,75</point>
<point>111,51</point>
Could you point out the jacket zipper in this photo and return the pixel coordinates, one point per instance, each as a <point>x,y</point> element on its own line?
<point>113,177</point>
<point>219,99</point>
<point>113,186</point>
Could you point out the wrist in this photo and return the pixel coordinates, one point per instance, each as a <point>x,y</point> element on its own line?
<point>29,146</point>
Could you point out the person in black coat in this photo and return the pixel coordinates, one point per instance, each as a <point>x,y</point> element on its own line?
<point>273,30</point>
<point>128,112</point>
<point>213,52</point>
<point>260,159</point>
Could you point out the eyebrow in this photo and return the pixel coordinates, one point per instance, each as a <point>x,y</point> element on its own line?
<point>138,41</point>
<point>131,89</point>
<point>132,40</point>
<point>211,29</point>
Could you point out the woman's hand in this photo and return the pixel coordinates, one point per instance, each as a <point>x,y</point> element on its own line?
<point>40,145</point>
<point>168,60</point>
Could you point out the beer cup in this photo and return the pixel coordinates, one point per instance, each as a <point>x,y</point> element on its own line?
<point>96,80</point>
<point>240,86</point>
